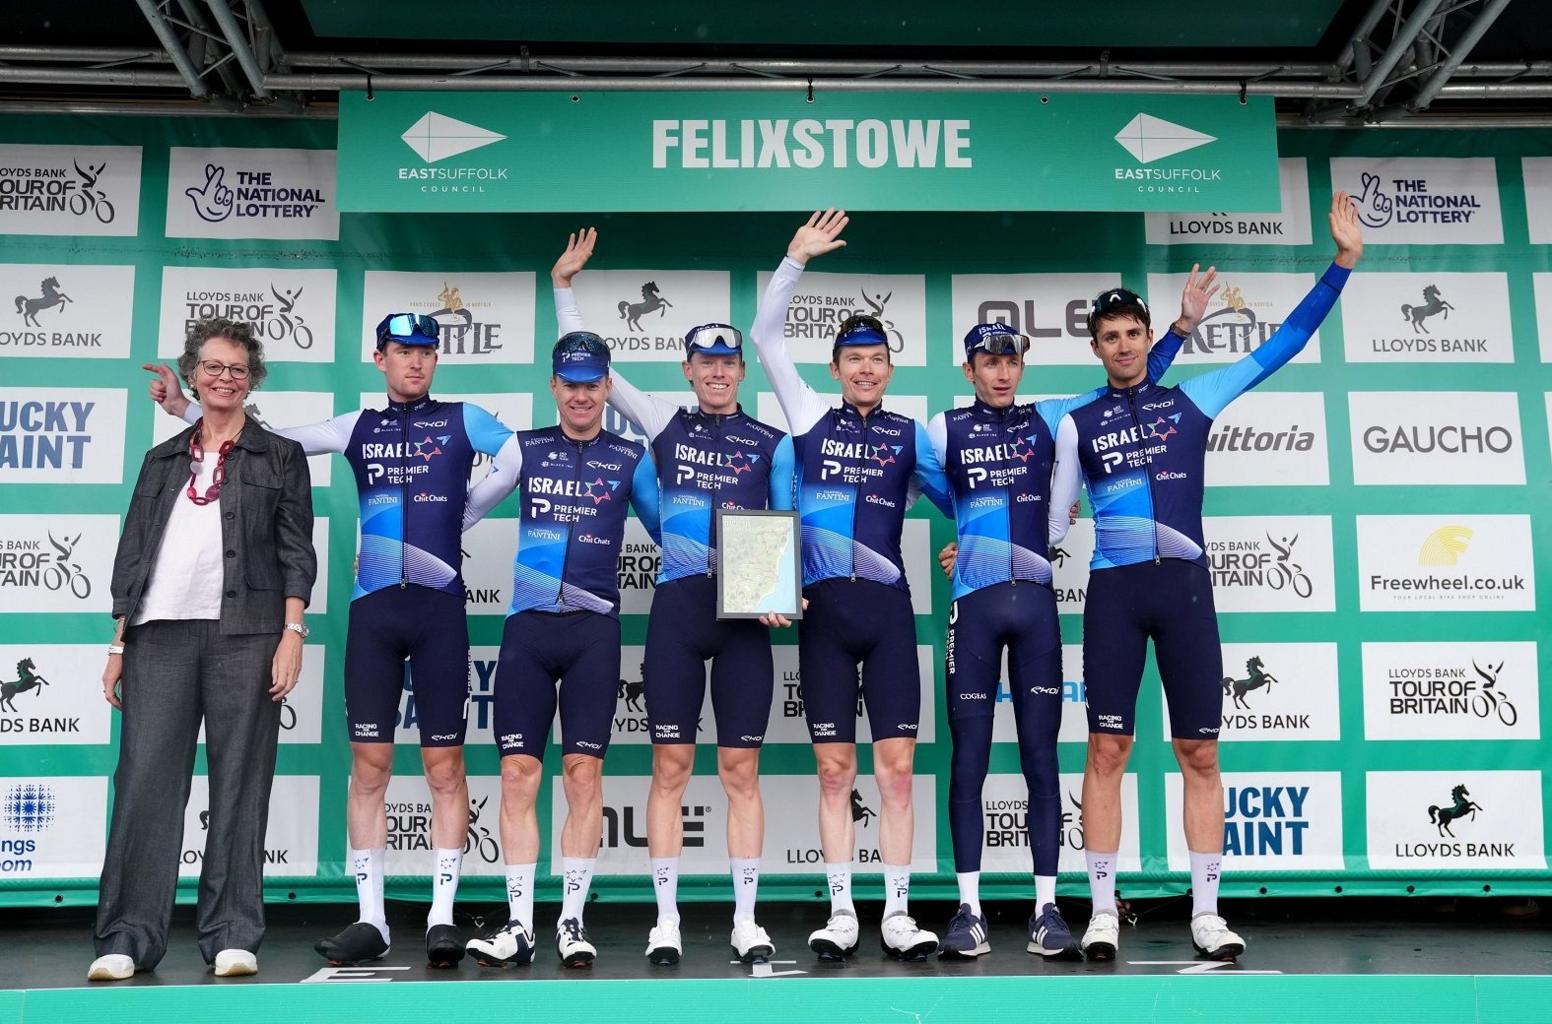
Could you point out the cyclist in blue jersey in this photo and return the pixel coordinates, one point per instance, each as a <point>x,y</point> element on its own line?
<point>563,627</point>
<point>998,457</point>
<point>715,456</point>
<point>1140,450</point>
<point>858,468</point>
<point>411,461</point>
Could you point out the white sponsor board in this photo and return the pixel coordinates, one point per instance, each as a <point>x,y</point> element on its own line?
<point>1269,439</point>
<point>1075,722</point>
<point>290,311</point>
<point>1290,227</point>
<point>822,301</point>
<point>252,193</point>
<point>479,703</point>
<point>410,846</point>
<point>489,547</point>
<point>1070,559</point>
<point>290,838</point>
<point>1436,437</point>
<point>645,314</point>
<point>52,693</point>
<point>1243,316</point>
<point>1273,821</point>
<point>69,190</point>
<point>1427,318</point>
<point>485,317</point>
<point>66,311</point>
<point>53,827</point>
<point>640,561</point>
<point>921,562</point>
<point>1423,201</point>
<point>53,563</point>
<point>62,435</point>
<point>768,409</point>
<point>276,410</point>
<point>301,712</point>
<point>1005,825</point>
<point>1541,285</point>
<point>1271,563</point>
<point>1455,820</point>
<point>1537,175</point>
<point>1484,690</point>
<point>1445,563</point>
<point>1277,692</point>
<point>1051,310</point>
<point>791,837</point>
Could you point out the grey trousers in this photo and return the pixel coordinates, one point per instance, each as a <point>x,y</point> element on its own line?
<point>177,672</point>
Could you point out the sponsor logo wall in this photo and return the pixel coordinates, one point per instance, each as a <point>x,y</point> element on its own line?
<point>1368,489</point>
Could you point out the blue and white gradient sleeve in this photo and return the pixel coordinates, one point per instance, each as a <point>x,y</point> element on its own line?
<point>929,478</point>
<point>783,468</point>
<point>486,433</point>
<point>1160,357</point>
<point>644,497</point>
<point>802,405</point>
<point>505,471</point>
<point>1066,479</point>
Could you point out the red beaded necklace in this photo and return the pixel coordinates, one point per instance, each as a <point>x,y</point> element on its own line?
<point>197,454</point>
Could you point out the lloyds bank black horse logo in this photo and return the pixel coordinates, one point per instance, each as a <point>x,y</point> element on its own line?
<point>29,680</point>
<point>1462,807</point>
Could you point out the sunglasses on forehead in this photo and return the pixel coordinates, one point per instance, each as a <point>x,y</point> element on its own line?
<point>582,342</point>
<point>1001,343</point>
<point>861,330</point>
<point>403,326</point>
<point>711,336</point>
<point>1116,298</point>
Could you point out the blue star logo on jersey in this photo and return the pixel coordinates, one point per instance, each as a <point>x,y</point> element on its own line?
<point>1160,428</point>
<point>884,454</point>
<point>738,462</point>
<point>1022,448</point>
<point>599,490</point>
<point>426,449</point>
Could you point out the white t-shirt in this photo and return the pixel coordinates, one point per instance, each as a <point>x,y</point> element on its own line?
<point>189,572</point>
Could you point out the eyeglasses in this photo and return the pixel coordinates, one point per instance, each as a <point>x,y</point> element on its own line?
<point>1000,343</point>
<point>214,369</point>
<point>855,328</point>
<point>406,325</point>
<point>713,335</point>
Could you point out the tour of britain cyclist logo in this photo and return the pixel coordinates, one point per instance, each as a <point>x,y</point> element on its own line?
<point>49,296</point>
<point>876,303</point>
<point>479,840</point>
<point>27,678</point>
<point>291,325</point>
<point>88,197</point>
<point>30,807</point>
<point>1285,572</point>
<point>63,573</point>
<point>1432,305</point>
<point>1462,806</point>
<point>1490,700</point>
<point>652,301</point>
<point>1257,677</point>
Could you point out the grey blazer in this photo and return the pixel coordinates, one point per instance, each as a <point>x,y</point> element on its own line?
<point>266,527</point>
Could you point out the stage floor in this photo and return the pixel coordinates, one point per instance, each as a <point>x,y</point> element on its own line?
<point>1306,960</point>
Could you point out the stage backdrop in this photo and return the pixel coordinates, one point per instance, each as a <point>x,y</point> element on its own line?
<point>1381,571</point>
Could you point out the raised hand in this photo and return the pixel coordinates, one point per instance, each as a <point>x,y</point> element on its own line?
<point>1346,230</point>
<point>1193,300</point>
<point>165,390</point>
<point>818,236</point>
<point>579,249</point>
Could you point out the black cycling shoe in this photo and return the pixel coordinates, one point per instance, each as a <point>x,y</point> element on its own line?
<point>444,948</point>
<point>355,945</point>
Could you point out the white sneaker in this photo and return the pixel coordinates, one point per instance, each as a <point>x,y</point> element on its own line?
<point>511,945</point>
<point>572,945</point>
<point>112,967</point>
<point>1101,937</point>
<point>1211,936</point>
<point>663,945</point>
<point>236,963</point>
<point>838,938</point>
<point>751,942</point>
<point>902,939</point>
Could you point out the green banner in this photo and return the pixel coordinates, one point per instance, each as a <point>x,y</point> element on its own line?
<point>486,152</point>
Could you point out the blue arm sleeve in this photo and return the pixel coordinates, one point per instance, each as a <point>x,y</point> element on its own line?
<point>929,475</point>
<point>644,497</point>
<point>1160,358</point>
<point>485,432</point>
<point>1212,392</point>
<point>1163,353</point>
<point>781,474</point>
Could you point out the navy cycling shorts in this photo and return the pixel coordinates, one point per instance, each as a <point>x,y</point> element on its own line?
<point>1022,618</point>
<point>682,633</point>
<point>431,629</point>
<point>580,650</point>
<point>852,624</point>
<point>1170,602</point>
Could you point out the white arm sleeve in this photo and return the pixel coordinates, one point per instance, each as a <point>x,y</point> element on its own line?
<point>505,471</point>
<point>647,413</point>
<point>802,405</point>
<point>319,438</point>
<point>1066,478</point>
<point>567,317</point>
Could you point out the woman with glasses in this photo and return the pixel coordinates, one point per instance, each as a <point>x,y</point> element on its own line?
<point>213,571</point>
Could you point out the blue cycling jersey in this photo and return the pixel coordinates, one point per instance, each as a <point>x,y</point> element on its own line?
<point>1141,450</point>
<point>705,461</point>
<point>571,519</point>
<point>411,463</point>
<point>998,463</point>
<point>855,475</point>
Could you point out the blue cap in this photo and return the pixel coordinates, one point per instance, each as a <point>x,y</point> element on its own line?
<point>861,330</point>
<point>580,357</point>
<point>407,329</point>
<point>997,339</point>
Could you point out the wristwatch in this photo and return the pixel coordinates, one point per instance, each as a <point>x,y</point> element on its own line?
<point>115,648</point>
<point>300,628</point>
